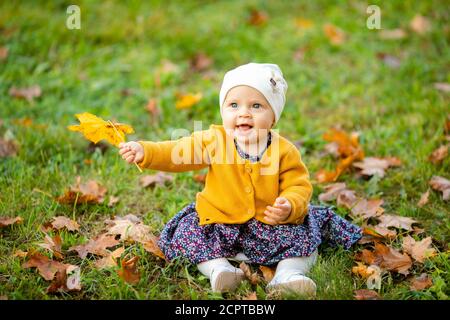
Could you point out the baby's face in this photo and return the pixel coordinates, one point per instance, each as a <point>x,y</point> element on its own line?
<point>247,113</point>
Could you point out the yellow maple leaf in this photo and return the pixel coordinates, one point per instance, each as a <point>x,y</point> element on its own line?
<point>95,129</point>
<point>188,100</point>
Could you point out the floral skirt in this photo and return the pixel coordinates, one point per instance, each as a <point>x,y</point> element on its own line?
<point>261,243</point>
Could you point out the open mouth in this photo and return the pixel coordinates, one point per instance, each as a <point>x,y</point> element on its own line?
<point>244,127</point>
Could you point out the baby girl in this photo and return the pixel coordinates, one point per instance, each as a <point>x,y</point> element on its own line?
<point>255,203</point>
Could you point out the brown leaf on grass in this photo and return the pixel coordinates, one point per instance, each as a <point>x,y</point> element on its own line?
<point>156,179</point>
<point>130,228</point>
<point>257,17</point>
<point>5,221</point>
<point>419,250</point>
<point>250,296</point>
<point>90,192</point>
<point>441,184</point>
<point>347,198</point>
<point>128,272</point>
<point>268,272</point>
<point>424,281</point>
<point>110,260</point>
<point>20,254</point>
<point>66,280</point>
<point>61,222</point>
<point>200,62</point>
<point>152,246</point>
<point>113,201</point>
<point>392,259</point>
<point>442,86</point>
<point>362,270</point>
<point>423,199</point>
<point>47,268</point>
<point>252,277</point>
<point>3,297</point>
<point>96,246</point>
<point>3,53</point>
<point>367,209</point>
<point>379,232</point>
<point>386,258</point>
<point>399,222</point>
<point>348,149</point>
<point>439,154</point>
<point>8,148</point>
<point>371,273</point>
<point>365,294</point>
<point>389,60</point>
<point>201,178</point>
<point>372,165</point>
<point>393,34</point>
<point>153,109</point>
<point>28,93</point>
<point>52,244</point>
<point>420,24</point>
<point>335,35</point>
<point>332,191</point>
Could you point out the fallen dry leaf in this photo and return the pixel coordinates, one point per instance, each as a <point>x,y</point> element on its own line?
<point>8,148</point>
<point>3,53</point>
<point>371,166</point>
<point>5,221</point>
<point>420,24</point>
<point>424,281</point>
<point>129,272</point>
<point>419,250</point>
<point>251,296</point>
<point>186,101</point>
<point>152,246</point>
<point>335,35</point>
<point>441,184</point>
<point>268,272</point>
<point>28,93</point>
<point>61,222</point>
<point>96,246</point>
<point>332,191</point>
<point>156,179</point>
<point>19,253</point>
<point>392,259</point>
<point>367,209</point>
<point>113,201</point>
<point>257,17</point>
<point>365,294</point>
<point>442,86</point>
<point>362,270</point>
<point>130,228</point>
<point>52,244</point>
<point>68,279</point>
<point>110,260</point>
<point>91,192</point>
<point>95,129</point>
<point>389,60</point>
<point>399,222</point>
<point>200,62</point>
<point>424,199</point>
<point>47,268</point>
<point>252,277</point>
<point>439,154</point>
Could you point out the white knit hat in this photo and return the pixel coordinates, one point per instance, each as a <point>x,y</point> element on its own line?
<point>267,78</point>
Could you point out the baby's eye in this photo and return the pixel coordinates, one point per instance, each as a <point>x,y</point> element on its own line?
<point>256,105</point>
<point>234,105</point>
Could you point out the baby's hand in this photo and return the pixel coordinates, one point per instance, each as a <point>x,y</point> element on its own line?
<point>131,151</point>
<point>279,212</point>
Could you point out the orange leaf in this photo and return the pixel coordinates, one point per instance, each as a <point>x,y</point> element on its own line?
<point>129,272</point>
<point>335,35</point>
<point>152,247</point>
<point>252,277</point>
<point>96,246</point>
<point>5,221</point>
<point>91,192</point>
<point>422,282</point>
<point>188,100</point>
<point>268,273</point>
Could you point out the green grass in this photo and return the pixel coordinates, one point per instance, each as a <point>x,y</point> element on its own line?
<point>398,112</point>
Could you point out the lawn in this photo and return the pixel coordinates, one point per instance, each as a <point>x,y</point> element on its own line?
<point>127,54</point>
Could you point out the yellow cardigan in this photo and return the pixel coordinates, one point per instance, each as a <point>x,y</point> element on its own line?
<point>236,190</point>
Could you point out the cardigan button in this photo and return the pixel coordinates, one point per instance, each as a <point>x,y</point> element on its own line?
<point>248,189</point>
